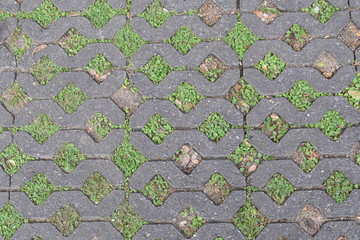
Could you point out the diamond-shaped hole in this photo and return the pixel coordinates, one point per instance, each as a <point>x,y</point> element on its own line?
<point>297,37</point>
<point>338,186</point>
<point>157,128</point>
<point>326,64</point>
<point>331,124</point>
<point>41,128</point>
<point>217,188</point>
<point>243,96</point>
<point>185,97</point>
<point>310,219</point>
<point>186,158</point>
<point>155,14</point>
<point>72,42</point>
<point>99,13</point>
<point>14,98</point>
<point>306,157</point>
<point>279,188</point>
<point>70,98</point>
<point>66,220</point>
<point>98,127</point>
<point>10,220</point>
<point>214,127</point>
<point>301,95</point>
<point>184,40</point>
<point>157,190</point>
<point>45,14</point>
<point>271,65</point>
<point>45,69</point>
<point>352,92</point>
<point>188,222</point>
<point>127,158</point>
<point>274,127</point>
<point>248,213</point>
<point>38,189</point>
<point>127,99</point>
<point>210,13</point>
<point>350,35</point>
<point>128,41</point>
<point>11,159</point>
<point>267,12</point>
<point>99,68</point>
<point>247,158</point>
<point>18,42</point>
<point>67,157</point>
<point>212,68</point>
<point>96,187</point>
<point>156,69</point>
<point>126,220</point>
<point>321,10</point>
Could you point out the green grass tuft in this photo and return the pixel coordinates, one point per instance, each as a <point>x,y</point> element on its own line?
<point>214,127</point>
<point>67,157</point>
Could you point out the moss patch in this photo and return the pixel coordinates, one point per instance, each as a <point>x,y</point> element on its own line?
<point>11,159</point>
<point>185,97</point>
<point>126,220</point>
<point>214,127</point>
<point>41,128</point>
<point>38,189</point>
<point>96,187</point>
<point>157,190</point>
<point>67,157</point>
<point>157,128</point>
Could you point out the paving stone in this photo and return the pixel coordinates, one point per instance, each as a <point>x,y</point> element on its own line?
<point>69,153</point>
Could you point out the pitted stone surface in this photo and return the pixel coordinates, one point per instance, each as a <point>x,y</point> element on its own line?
<point>147,148</point>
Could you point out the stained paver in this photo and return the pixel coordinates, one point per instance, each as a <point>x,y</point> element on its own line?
<point>165,119</point>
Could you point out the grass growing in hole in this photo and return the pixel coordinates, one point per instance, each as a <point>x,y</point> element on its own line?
<point>14,98</point>
<point>67,157</point>
<point>100,12</point>
<point>271,65</point>
<point>96,187</point>
<point>66,220</point>
<point>331,124</point>
<point>352,92</point>
<point>157,128</point>
<point>183,40</point>
<point>45,69</point>
<point>185,97</point>
<point>321,10</point>
<point>10,221</point>
<point>156,14</point>
<point>41,128</point>
<point>128,41</point>
<point>156,69</point>
<point>279,188</point>
<point>38,189</point>
<point>275,127</point>
<point>157,190</point>
<point>240,38</point>
<point>70,98</point>
<point>11,159</point>
<point>18,42</point>
<point>338,186</point>
<point>214,127</point>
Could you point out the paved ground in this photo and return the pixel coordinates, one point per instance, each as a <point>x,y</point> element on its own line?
<point>142,119</point>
